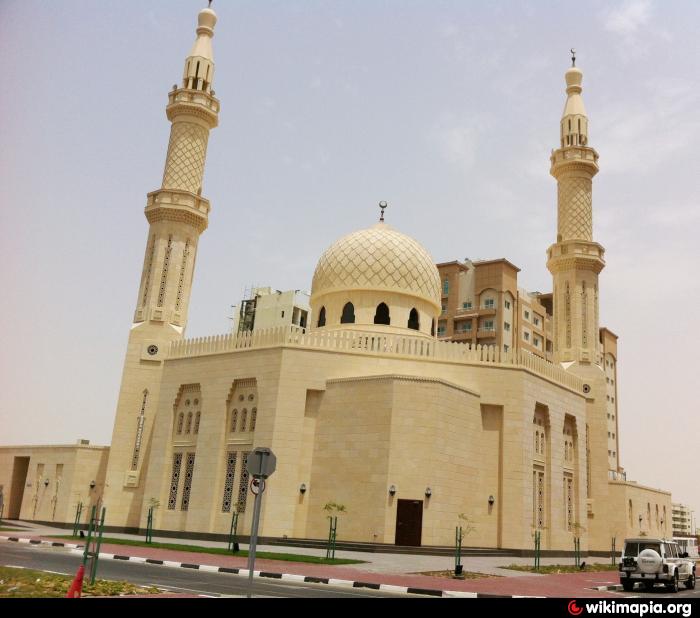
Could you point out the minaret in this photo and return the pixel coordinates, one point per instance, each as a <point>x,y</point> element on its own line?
<point>575,260</point>
<point>177,214</point>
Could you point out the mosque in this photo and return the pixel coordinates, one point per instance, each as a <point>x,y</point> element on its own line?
<point>364,406</point>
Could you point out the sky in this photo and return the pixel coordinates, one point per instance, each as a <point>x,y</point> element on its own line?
<point>448,110</point>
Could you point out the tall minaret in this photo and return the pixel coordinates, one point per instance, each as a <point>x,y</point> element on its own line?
<point>177,214</point>
<point>575,260</point>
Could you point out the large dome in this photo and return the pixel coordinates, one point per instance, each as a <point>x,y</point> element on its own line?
<point>378,258</point>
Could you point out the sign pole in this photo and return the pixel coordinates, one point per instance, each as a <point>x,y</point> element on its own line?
<point>253,541</point>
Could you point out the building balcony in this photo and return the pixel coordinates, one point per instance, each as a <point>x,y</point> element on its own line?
<point>463,335</point>
<point>485,332</point>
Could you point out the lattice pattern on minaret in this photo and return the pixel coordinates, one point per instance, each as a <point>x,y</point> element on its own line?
<point>575,209</point>
<point>187,151</point>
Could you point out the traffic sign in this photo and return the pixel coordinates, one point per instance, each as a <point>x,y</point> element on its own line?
<point>261,463</point>
<point>257,486</point>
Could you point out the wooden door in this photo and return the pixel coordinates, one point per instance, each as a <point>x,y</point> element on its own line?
<point>409,522</point>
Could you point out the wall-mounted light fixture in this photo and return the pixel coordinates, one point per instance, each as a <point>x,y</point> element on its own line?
<point>46,482</point>
<point>428,492</point>
<point>640,521</point>
<point>302,488</point>
<point>491,500</point>
<point>392,490</point>
<point>92,484</point>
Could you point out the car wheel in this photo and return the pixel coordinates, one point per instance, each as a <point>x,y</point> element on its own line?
<point>673,585</point>
<point>690,582</point>
<point>627,585</point>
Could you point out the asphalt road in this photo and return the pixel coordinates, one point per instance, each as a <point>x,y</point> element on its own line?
<point>61,560</point>
<point>660,592</point>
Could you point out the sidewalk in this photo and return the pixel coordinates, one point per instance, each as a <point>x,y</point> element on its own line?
<point>375,573</point>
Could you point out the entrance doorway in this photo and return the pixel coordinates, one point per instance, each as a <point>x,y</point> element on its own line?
<point>409,522</point>
<point>19,479</point>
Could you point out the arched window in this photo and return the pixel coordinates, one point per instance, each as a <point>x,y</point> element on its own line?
<point>196,422</point>
<point>413,320</point>
<point>180,421</point>
<point>253,418</point>
<point>432,328</point>
<point>382,314</point>
<point>348,316</point>
<point>188,426</point>
<point>630,507</point>
<point>244,417</point>
<point>322,317</point>
<point>234,419</point>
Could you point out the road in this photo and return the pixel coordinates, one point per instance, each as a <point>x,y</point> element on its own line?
<point>61,560</point>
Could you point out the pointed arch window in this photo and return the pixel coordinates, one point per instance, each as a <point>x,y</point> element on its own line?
<point>414,320</point>
<point>197,418</point>
<point>321,317</point>
<point>180,422</point>
<point>348,316</point>
<point>234,419</point>
<point>432,328</point>
<point>253,418</point>
<point>244,417</point>
<point>188,426</point>
<point>382,314</point>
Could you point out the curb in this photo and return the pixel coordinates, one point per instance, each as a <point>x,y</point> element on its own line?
<point>307,579</point>
<point>613,587</point>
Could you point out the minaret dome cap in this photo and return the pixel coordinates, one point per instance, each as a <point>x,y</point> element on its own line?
<point>574,77</point>
<point>207,19</point>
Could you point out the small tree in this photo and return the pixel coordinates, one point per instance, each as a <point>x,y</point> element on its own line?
<point>332,509</point>
<point>576,529</point>
<point>153,504</point>
<point>465,526</point>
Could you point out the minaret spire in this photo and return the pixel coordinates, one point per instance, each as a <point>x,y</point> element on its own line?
<point>575,260</point>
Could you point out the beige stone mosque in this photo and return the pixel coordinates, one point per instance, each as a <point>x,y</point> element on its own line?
<point>377,402</point>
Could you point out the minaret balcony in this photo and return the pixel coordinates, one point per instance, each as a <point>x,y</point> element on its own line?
<point>179,207</point>
<point>575,254</point>
<point>573,156</point>
<point>194,102</point>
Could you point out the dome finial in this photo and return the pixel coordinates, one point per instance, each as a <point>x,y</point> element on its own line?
<point>573,57</point>
<point>383,206</point>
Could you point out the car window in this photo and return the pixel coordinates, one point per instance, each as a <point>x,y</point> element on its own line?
<point>631,549</point>
<point>674,549</point>
<point>655,546</point>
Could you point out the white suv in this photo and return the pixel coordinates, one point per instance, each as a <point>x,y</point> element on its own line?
<point>655,561</point>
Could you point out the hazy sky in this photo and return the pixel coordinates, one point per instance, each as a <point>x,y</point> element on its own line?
<point>447,110</point>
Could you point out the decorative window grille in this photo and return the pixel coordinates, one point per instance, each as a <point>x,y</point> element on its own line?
<point>189,469</point>
<point>540,499</point>
<point>139,433</point>
<point>180,421</point>
<point>253,418</point>
<point>183,270</point>
<point>243,485</point>
<point>188,426</point>
<point>164,273</point>
<point>149,266</point>
<point>231,458</point>
<point>197,417</point>
<point>244,418</point>
<point>234,419</point>
<point>174,481</point>
<point>584,316</point>
<point>568,315</point>
<point>569,489</point>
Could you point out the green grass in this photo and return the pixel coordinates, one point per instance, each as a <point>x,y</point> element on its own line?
<point>28,583</point>
<point>220,551</point>
<point>561,568</point>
